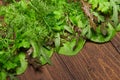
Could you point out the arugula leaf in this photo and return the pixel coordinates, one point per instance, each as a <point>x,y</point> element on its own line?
<point>48,53</point>
<point>101,5</point>
<point>69,29</point>
<point>115,12</point>
<point>10,65</point>
<point>45,55</point>
<point>57,41</point>
<point>68,47</point>
<point>24,44</point>
<point>23,64</point>
<point>118,27</point>
<point>35,48</point>
<point>100,38</point>
<point>3,75</point>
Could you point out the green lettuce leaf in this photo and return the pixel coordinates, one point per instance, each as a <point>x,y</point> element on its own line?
<point>72,47</point>
<point>23,64</point>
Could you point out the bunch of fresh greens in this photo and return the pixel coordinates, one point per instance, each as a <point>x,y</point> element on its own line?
<point>32,30</point>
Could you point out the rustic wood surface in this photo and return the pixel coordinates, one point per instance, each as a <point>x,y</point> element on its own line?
<point>94,62</point>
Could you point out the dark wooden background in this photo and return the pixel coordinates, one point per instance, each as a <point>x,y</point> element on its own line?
<point>94,62</point>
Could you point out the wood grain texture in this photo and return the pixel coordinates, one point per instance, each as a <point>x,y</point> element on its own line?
<point>94,62</point>
<point>116,42</point>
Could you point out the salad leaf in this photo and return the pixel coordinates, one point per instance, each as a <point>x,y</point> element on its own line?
<point>100,38</point>
<point>23,63</point>
<point>49,54</point>
<point>72,47</point>
<point>3,75</point>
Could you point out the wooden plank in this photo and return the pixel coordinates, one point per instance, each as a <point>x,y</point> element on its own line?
<point>76,67</point>
<point>32,74</point>
<point>0,2</point>
<point>94,62</point>
<point>102,64</point>
<point>58,70</point>
<point>116,42</point>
